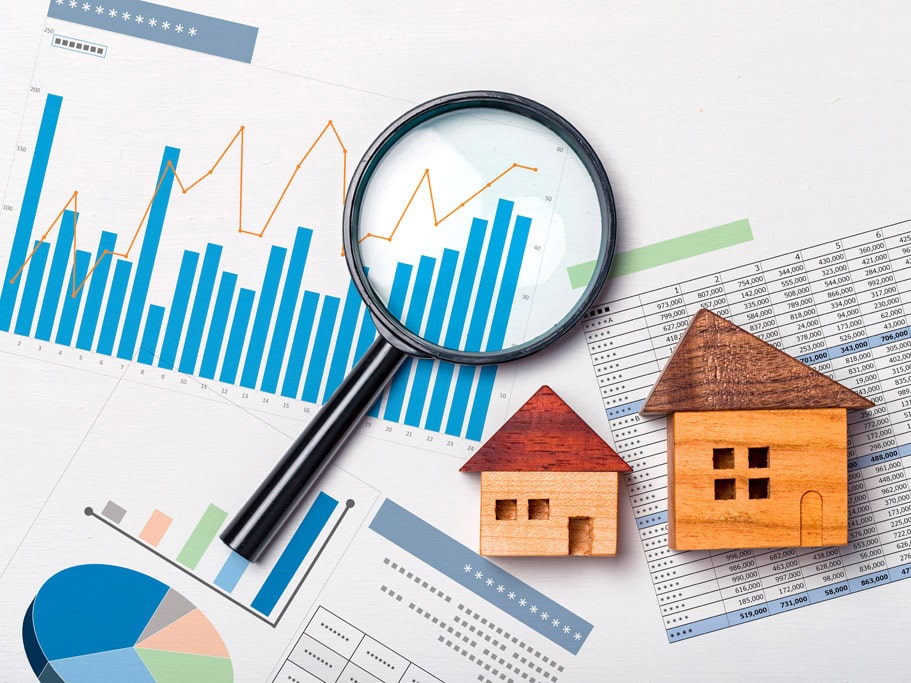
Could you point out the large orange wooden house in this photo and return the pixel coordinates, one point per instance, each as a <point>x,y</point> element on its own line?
<point>756,441</point>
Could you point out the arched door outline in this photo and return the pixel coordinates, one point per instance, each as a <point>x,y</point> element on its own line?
<point>811,519</point>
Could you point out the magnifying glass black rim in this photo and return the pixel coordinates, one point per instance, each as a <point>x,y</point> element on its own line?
<point>391,328</point>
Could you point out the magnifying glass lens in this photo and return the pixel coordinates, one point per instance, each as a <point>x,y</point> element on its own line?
<point>478,231</point>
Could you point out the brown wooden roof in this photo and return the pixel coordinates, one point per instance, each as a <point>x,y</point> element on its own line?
<point>546,435</point>
<point>719,366</point>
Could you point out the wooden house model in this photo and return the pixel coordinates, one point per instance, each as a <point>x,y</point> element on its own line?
<point>549,484</point>
<point>756,443</point>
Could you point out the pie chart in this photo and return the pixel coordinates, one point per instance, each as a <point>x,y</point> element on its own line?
<point>99,623</point>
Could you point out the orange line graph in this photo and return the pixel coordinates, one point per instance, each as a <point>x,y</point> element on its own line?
<point>425,177</point>
<point>73,202</point>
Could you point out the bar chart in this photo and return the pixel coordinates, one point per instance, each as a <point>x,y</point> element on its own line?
<point>275,335</point>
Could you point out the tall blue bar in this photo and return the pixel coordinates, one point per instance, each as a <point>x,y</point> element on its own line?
<point>434,328</point>
<point>97,284</point>
<point>263,319</point>
<point>150,335</point>
<point>26,221</point>
<point>178,313</point>
<point>146,262</point>
<point>294,553</point>
<point>493,260</point>
<point>111,322</point>
<point>237,335</point>
<point>219,324</point>
<point>457,318</point>
<point>299,344</point>
<point>396,306</point>
<point>321,343</point>
<point>200,309</point>
<point>290,293</point>
<point>343,346</point>
<point>71,302</point>
<point>366,335</point>
<point>413,321</point>
<point>33,279</point>
<point>458,404</point>
<point>59,278</point>
<point>478,417</point>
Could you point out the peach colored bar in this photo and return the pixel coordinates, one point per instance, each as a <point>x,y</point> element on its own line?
<point>155,528</point>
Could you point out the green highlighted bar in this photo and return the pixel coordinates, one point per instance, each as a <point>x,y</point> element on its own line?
<point>202,536</point>
<point>668,251</point>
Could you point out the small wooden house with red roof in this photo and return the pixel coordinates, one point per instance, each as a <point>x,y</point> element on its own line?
<point>549,484</point>
<point>756,443</point>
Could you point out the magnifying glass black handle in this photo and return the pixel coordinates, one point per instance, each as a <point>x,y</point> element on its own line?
<point>262,516</point>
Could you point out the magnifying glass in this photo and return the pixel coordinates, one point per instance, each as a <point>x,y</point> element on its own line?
<point>478,228</point>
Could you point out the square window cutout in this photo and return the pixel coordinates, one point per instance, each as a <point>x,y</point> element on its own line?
<point>758,457</point>
<point>723,458</point>
<point>759,488</point>
<point>725,489</point>
<point>506,509</point>
<point>539,508</point>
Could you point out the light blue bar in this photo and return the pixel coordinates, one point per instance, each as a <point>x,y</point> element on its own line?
<point>231,571</point>
<point>111,321</point>
<point>178,313</point>
<point>146,262</point>
<point>414,320</point>
<point>343,347</point>
<point>97,284</point>
<point>493,259</point>
<point>481,576</point>
<point>70,311</point>
<point>299,344</point>
<point>625,409</point>
<point>59,277</point>
<point>321,344</point>
<point>150,335</point>
<point>33,279</point>
<point>26,221</point>
<point>651,520</point>
<point>290,293</point>
<point>167,25</point>
<point>458,405</point>
<point>219,324</point>
<point>256,347</point>
<point>294,553</point>
<point>237,335</point>
<point>200,309</point>
<point>438,305</point>
<point>481,403</point>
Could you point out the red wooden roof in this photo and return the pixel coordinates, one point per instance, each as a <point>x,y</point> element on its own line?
<point>719,366</point>
<point>546,435</point>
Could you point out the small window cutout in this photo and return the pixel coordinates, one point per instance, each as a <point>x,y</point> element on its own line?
<point>725,489</point>
<point>723,458</point>
<point>759,457</point>
<point>759,488</point>
<point>506,509</point>
<point>539,508</point>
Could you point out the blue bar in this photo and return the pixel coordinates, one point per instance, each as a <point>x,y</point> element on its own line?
<point>168,25</point>
<point>493,259</point>
<point>263,319</point>
<point>482,395</point>
<point>178,313</point>
<point>98,282</point>
<point>59,277</point>
<point>413,321</point>
<point>200,309</point>
<point>219,324</point>
<point>440,396</point>
<point>290,293</point>
<point>231,571</point>
<point>480,576</point>
<point>299,344</point>
<point>342,352</point>
<point>237,335</point>
<point>467,276</point>
<point>321,343</point>
<point>438,305</point>
<point>364,339</point>
<point>33,280</point>
<point>109,324</point>
<point>294,553</point>
<point>459,403</point>
<point>146,262</point>
<point>149,342</point>
<point>26,221</point>
<point>67,325</point>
